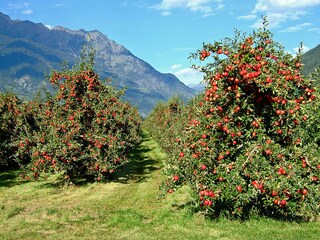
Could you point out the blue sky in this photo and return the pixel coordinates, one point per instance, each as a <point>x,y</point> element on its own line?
<point>165,32</point>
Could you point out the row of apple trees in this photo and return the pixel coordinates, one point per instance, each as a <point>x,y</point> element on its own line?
<point>249,144</point>
<point>84,130</point>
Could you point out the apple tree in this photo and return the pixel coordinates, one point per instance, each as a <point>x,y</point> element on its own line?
<point>247,150</point>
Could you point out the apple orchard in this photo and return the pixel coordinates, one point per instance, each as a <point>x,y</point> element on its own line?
<point>247,145</point>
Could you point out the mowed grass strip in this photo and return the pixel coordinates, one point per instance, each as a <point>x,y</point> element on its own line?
<point>128,207</point>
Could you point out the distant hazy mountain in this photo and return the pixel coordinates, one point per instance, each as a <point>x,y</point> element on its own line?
<point>28,50</point>
<point>198,87</point>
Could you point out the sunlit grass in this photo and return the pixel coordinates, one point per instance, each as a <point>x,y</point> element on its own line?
<point>128,207</point>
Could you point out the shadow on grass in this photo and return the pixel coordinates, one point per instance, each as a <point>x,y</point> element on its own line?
<point>140,165</point>
<point>9,178</point>
<point>136,170</point>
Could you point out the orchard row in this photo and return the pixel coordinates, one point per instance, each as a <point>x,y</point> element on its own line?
<point>249,144</point>
<point>84,130</point>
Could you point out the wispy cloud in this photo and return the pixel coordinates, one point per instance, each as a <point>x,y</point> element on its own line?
<point>19,5</point>
<point>206,7</point>
<point>296,27</point>
<point>27,11</point>
<point>136,3</point>
<point>281,11</point>
<point>175,66</point>
<point>23,7</point>
<point>269,5</point>
<point>184,49</point>
<point>165,13</point>
<point>248,17</point>
<point>275,19</point>
<point>189,76</point>
<point>304,49</point>
<point>316,29</point>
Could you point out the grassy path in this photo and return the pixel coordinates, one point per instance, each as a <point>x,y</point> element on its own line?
<point>127,208</point>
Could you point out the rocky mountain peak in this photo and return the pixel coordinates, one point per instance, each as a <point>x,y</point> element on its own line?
<point>30,49</point>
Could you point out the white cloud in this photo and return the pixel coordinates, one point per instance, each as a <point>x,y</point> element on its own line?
<point>220,6</point>
<point>304,49</point>
<point>184,49</point>
<point>189,76</point>
<point>281,11</point>
<point>317,29</point>
<point>23,7</point>
<point>165,13</point>
<point>275,19</point>
<point>271,5</point>
<point>175,66</point>
<point>248,17</point>
<point>204,6</point>
<point>27,11</point>
<point>296,27</point>
<point>49,26</point>
<point>19,5</point>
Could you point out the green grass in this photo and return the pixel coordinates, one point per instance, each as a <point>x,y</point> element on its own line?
<point>129,207</point>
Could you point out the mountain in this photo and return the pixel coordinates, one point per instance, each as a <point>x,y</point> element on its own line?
<point>311,60</point>
<point>198,87</point>
<point>29,50</point>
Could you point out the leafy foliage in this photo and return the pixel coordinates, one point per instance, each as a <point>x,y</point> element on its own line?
<point>16,117</point>
<point>83,131</point>
<point>8,111</point>
<point>247,148</point>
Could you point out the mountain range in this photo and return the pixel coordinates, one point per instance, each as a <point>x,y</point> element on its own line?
<point>28,51</point>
